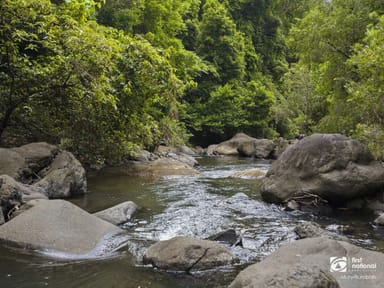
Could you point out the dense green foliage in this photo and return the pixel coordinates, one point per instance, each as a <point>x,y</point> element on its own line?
<point>103,78</point>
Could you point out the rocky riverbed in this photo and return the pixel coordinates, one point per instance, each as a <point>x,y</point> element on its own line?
<point>211,220</point>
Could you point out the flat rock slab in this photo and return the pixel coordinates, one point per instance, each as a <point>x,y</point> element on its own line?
<point>316,263</point>
<point>187,254</point>
<point>57,225</point>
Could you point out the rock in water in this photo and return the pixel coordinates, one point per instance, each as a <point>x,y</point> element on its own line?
<point>118,214</point>
<point>187,254</point>
<point>25,162</point>
<point>244,145</point>
<point>57,225</point>
<point>380,220</point>
<point>330,166</point>
<point>65,177</point>
<point>158,168</point>
<point>316,263</point>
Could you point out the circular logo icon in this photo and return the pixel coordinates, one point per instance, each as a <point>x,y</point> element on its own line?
<point>338,264</point>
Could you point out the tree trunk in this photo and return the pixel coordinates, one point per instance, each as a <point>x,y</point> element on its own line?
<point>5,121</point>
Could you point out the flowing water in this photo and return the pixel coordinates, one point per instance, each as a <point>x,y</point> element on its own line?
<point>197,206</point>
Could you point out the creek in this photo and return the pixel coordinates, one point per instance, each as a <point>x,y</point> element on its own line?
<point>197,206</point>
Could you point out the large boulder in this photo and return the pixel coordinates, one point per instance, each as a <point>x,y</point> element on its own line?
<point>259,148</point>
<point>11,163</point>
<point>55,173</point>
<point>181,149</point>
<point>158,168</point>
<point>25,162</point>
<point>316,263</point>
<point>118,214</point>
<point>56,225</point>
<point>64,177</point>
<point>329,166</point>
<point>13,194</point>
<point>242,144</point>
<point>37,155</point>
<point>11,189</point>
<point>187,254</point>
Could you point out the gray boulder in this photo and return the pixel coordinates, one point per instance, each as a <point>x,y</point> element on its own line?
<point>142,155</point>
<point>380,220</point>
<point>315,262</point>
<point>310,230</point>
<point>55,173</point>
<point>118,214</point>
<point>25,162</point>
<point>244,145</point>
<point>13,194</point>
<point>259,148</point>
<point>296,276</point>
<point>37,155</point>
<point>158,168</point>
<point>183,158</point>
<point>329,166</point>
<point>11,189</point>
<point>11,163</point>
<point>65,177</point>
<point>281,145</point>
<point>187,254</point>
<point>57,225</point>
<point>183,154</point>
<point>180,149</point>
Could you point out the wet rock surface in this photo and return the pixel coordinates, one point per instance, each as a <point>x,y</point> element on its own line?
<point>309,262</point>
<point>330,167</point>
<point>187,254</point>
<point>118,214</point>
<point>56,225</point>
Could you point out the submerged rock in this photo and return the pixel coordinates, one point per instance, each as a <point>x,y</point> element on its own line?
<point>118,214</point>
<point>56,225</point>
<point>323,166</point>
<point>315,262</point>
<point>187,254</point>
